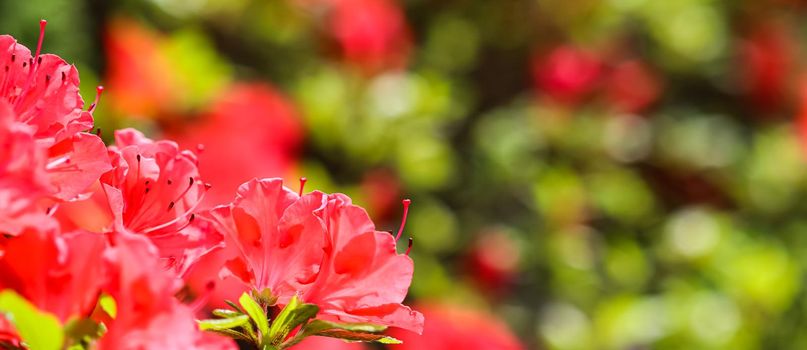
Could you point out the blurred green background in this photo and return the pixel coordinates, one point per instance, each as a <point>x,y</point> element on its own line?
<point>615,174</point>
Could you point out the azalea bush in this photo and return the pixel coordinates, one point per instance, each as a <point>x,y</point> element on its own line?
<point>96,240</point>
<point>612,174</point>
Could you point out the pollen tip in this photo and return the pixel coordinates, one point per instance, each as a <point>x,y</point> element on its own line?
<point>207,186</point>
<point>409,247</point>
<point>406,203</point>
<point>302,186</point>
<point>171,205</point>
<point>200,148</point>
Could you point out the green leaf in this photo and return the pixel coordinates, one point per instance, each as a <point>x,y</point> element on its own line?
<point>359,336</point>
<point>320,325</point>
<point>39,330</point>
<point>109,305</point>
<point>232,334</point>
<point>294,314</point>
<point>235,306</point>
<point>256,313</point>
<point>223,323</point>
<point>226,313</point>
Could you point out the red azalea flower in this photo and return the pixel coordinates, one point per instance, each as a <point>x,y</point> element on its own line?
<point>567,74</point>
<point>372,34</point>
<point>766,57</point>
<point>153,190</point>
<point>494,261</point>
<point>42,91</point>
<point>452,327</point>
<point>631,87</point>
<point>320,247</point>
<point>272,237</point>
<point>257,121</point>
<point>148,315</point>
<point>157,184</point>
<point>381,190</point>
<point>60,273</point>
<point>22,174</point>
<point>362,277</point>
<point>140,78</point>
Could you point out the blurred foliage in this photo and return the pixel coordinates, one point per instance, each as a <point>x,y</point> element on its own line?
<point>640,162</point>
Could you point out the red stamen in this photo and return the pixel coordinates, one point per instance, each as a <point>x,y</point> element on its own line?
<point>302,186</point>
<point>98,91</point>
<point>406,203</point>
<point>409,248</point>
<point>42,24</point>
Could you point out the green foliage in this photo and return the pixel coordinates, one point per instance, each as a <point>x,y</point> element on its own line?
<point>38,330</point>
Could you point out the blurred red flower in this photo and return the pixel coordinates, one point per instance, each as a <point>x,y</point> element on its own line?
<point>493,261</point>
<point>454,327</point>
<point>258,122</point>
<point>766,58</point>
<point>372,34</point>
<point>567,74</point>
<point>631,87</point>
<point>139,76</point>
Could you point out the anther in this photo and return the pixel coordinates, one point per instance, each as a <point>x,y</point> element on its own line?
<point>98,91</point>
<point>406,203</point>
<point>42,24</point>
<point>409,248</point>
<point>302,186</point>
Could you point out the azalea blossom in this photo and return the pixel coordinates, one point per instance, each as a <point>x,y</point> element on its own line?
<point>567,74</point>
<point>60,273</point>
<point>148,316</point>
<point>373,34</point>
<point>362,277</point>
<point>153,190</point>
<point>41,91</point>
<point>141,80</point>
<point>318,246</point>
<point>273,238</point>
<point>23,181</point>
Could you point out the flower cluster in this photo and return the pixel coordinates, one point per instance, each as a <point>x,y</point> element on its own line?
<point>98,243</point>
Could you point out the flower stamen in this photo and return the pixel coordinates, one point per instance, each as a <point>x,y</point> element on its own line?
<point>302,186</point>
<point>406,203</point>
